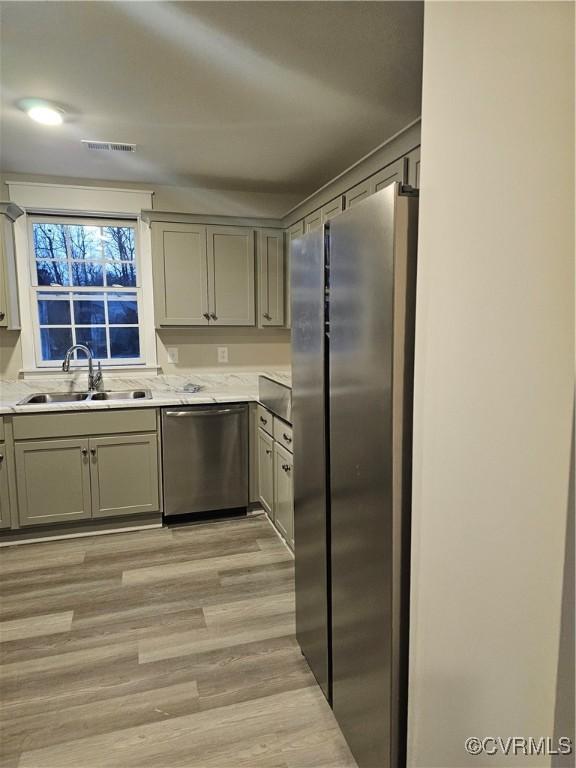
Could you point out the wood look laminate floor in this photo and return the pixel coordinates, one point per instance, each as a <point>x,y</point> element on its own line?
<point>156,649</point>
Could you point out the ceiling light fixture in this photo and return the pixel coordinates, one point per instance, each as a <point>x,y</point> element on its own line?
<point>42,112</point>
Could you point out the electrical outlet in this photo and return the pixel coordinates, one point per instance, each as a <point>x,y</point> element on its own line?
<point>172,354</point>
<point>222,354</point>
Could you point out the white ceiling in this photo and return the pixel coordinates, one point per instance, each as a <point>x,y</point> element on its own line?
<point>268,96</point>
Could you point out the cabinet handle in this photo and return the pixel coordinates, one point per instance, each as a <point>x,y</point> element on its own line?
<point>213,316</point>
<point>84,451</point>
<point>286,437</point>
<point>263,420</point>
<point>2,315</point>
<point>93,451</point>
<point>206,315</point>
<point>268,452</point>
<point>1,458</point>
<point>267,316</point>
<point>286,467</point>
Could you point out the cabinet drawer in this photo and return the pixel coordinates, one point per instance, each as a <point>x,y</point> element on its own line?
<point>265,420</point>
<point>283,433</point>
<point>110,422</point>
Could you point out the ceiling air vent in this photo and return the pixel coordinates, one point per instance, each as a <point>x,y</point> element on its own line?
<point>109,146</point>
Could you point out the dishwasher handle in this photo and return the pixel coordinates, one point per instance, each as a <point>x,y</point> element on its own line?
<point>207,412</point>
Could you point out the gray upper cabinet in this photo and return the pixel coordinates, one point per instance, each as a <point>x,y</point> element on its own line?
<point>293,233</point>
<point>53,480</point>
<point>313,221</point>
<point>4,496</point>
<point>9,303</point>
<point>180,274</point>
<point>231,275</point>
<point>414,168</point>
<point>270,251</point>
<point>124,475</point>
<point>331,209</point>
<point>388,175</point>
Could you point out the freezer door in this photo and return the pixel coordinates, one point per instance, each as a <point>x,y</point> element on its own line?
<point>372,285</point>
<point>308,419</point>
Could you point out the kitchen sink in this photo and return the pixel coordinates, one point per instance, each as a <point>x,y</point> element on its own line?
<point>132,394</point>
<point>56,397</point>
<point>74,397</point>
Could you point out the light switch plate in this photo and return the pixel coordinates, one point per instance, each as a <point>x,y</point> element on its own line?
<point>172,354</point>
<point>222,354</point>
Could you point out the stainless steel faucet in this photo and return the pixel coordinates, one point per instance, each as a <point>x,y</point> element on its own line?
<point>94,379</point>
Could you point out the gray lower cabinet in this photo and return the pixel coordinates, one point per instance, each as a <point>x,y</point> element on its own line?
<point>53,481</point>
<point>283,493</point>
<point>266,471</point>
<point>124,475</point>
<point>86,478</point>
<point>4,496</point>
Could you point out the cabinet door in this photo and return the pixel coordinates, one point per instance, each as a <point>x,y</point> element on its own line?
<point>313,221</point>
<point>390,174</point>
<point>358,193</point>
<point>231,275</point>
<point>331,209</point>
<point>270,277</point>
<point>4,497</point>
<point>180,274</point>
<point>124,475</point>
<point>266,472</point>
<point>414,168</point>
<point>3,286</point>
<point>53,481</point>
<point>295,231</point>
<point>283,493</point>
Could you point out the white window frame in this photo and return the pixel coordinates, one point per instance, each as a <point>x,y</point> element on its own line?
<point>65,201</point>
<point>36,289</point>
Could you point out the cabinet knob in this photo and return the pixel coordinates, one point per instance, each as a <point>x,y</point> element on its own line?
<point>213,316</point>
<point>1,458</point>
<point>84,451</point>
<point>286,437</point>
<point>286,467</point>
<point>206,315</point>
<point>267,316</point>
<point>93,451</point>
<point>263,420</point>
<point>268,452</point>
<point>2,315</point>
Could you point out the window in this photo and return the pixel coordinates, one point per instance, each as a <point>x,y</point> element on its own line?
<point>87,289</point>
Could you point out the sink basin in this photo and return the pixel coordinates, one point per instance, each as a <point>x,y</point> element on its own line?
<point>132,394</point>
<point>56,397</point>
<point>74,397</point>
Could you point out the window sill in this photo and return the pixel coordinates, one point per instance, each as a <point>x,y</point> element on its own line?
<point>113,371</point>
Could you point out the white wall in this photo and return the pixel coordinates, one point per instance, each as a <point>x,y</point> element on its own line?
<point>494,375</point>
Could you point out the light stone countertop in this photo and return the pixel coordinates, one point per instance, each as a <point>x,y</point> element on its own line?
<point>166,390</point>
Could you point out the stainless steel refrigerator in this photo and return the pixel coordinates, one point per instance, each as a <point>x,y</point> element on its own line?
<point>353,308</point>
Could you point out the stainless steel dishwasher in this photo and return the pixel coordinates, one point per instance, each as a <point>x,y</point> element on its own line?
<point>205,458</point>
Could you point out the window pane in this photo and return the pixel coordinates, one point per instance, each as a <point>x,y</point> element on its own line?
<point>119,243</point>
<point>94,339</point>
<point>124,342</point>
<point>53,311</point>
<point>50,241</point>
<point>89,311</point>
<point>55,342</point>
<point>87,273</point>
<point>121,273</point>
<point>85,241</point>
<point>123,311</point>
<point>52,272</point>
